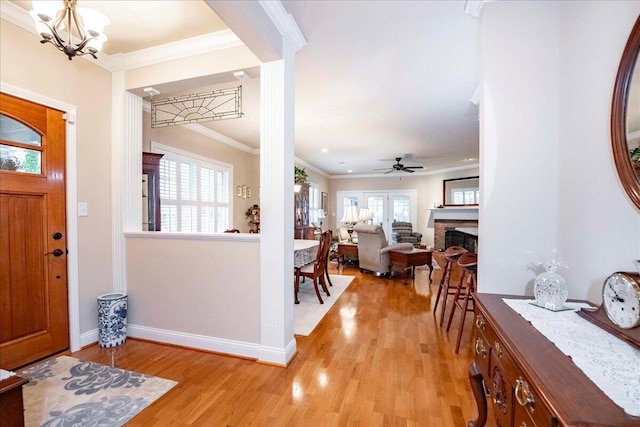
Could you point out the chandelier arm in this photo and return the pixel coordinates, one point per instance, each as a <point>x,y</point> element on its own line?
<point>54,32</point>
<point>79,29</point>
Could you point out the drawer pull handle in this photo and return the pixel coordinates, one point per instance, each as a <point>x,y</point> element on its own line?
<point>480,323</point>
<point>481,350</point>
<point>523,394</point>
<point>498,349</point>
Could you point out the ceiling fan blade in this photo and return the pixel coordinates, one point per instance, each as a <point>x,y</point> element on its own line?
<point>389,171</point>
<point>408,170</point>
<point>382,169</point>
<point>413,167</point>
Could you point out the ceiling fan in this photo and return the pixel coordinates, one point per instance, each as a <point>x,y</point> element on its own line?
<point>400,167</point>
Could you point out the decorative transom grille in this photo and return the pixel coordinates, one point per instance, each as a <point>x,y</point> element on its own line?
<point>199,107</point>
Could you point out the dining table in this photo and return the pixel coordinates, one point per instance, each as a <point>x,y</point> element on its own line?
<point>304,251</point>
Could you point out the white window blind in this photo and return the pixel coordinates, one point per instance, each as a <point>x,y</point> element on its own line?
<point>194,192</point>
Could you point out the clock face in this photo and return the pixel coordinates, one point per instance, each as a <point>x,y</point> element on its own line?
<point>621,299</point>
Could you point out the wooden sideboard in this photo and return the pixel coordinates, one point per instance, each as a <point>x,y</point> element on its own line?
<point>529,381</point>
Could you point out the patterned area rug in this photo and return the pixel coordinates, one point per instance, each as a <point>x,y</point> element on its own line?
<point>69,392</point>
<point>310,312</point>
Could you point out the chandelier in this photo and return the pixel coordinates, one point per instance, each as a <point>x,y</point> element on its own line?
<point>75,33</point>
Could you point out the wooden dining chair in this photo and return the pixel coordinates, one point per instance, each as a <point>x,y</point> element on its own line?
<point>315,270</point>
<point>329,237</point>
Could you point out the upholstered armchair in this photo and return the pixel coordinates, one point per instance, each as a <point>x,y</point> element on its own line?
<point>403,232</point>
<point>373,250</point>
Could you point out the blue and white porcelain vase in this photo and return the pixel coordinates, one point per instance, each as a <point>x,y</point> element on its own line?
<point>112,319</point>
<point>550,288</point>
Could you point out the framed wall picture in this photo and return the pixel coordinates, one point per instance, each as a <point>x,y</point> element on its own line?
<point>248,192</point>
<point>325,203</point>
<point>239,191</point>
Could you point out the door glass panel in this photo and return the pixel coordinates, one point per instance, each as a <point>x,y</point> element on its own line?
<point>401,208</point>
<point>376,209</point>
<point>13,130</point>
<point>20,159</point>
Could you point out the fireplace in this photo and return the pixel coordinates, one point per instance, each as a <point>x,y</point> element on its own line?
<point>441,219</point>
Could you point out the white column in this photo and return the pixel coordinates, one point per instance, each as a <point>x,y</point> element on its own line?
<point>277,343</point>
<point>519,143</point>
<point>126,169</point>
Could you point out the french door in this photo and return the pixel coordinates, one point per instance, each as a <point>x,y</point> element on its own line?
<point>385,207</point>
<point>33,267</point>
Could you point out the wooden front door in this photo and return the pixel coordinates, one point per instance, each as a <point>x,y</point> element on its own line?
<point>33,251</point>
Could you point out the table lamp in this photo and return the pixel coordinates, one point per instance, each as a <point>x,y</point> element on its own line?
<point>350,218</point>
<point>365,215</point>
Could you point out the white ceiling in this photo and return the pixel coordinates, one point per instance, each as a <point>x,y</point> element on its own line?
<point>377,79</point>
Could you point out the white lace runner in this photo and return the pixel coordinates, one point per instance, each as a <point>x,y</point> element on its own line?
<point>612,364</point>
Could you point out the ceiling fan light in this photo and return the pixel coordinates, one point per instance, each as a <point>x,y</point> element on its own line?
<point>93,21</point>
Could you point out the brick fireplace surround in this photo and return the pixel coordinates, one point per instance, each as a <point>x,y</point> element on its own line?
<point>441,226</point>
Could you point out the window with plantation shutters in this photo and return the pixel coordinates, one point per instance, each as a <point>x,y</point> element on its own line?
<point>195,192</point>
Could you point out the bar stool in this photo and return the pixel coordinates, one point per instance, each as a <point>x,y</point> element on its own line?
<point>451,255</point>
<point>469,264</point>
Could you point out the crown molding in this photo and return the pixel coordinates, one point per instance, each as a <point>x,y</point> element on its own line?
<point>285,23</point>
<point>391,175</point>
<point>222,138</point>
<point>298,161</point>
<point>206,43</point>
<point>18,16</point>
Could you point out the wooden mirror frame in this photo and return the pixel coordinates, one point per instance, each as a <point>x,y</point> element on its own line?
<point>445,190</point>
<point>628,176</point>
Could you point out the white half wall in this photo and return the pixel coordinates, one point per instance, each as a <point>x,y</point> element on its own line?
<point>195,290</point>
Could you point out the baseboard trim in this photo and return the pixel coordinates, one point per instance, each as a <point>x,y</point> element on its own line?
<point>278,357</point>
<point>200,342</point>
<point>89,338</point>
<point>263,354</point>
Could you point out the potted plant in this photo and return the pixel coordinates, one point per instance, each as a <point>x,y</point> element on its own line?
<point>300,175</point>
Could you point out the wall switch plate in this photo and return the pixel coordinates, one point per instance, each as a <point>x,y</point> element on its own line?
<point>83,209</point>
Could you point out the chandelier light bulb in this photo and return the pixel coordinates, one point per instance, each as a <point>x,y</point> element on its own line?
<point>93,21</point>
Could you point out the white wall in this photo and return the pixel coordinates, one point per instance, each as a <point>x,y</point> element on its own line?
<point>599,228</point>
<point>547,174</point>
<point>519,134</point>
<point>23,61</point>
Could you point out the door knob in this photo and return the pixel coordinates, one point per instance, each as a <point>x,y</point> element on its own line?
<point>56,252</point>
<point>57,235</point>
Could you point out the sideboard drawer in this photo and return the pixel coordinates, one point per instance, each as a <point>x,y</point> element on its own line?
<point>484,336</point>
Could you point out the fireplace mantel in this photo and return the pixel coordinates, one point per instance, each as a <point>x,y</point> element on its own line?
<point>461,213</point>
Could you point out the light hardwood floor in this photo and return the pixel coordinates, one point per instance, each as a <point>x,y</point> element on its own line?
<point>376,359</point>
